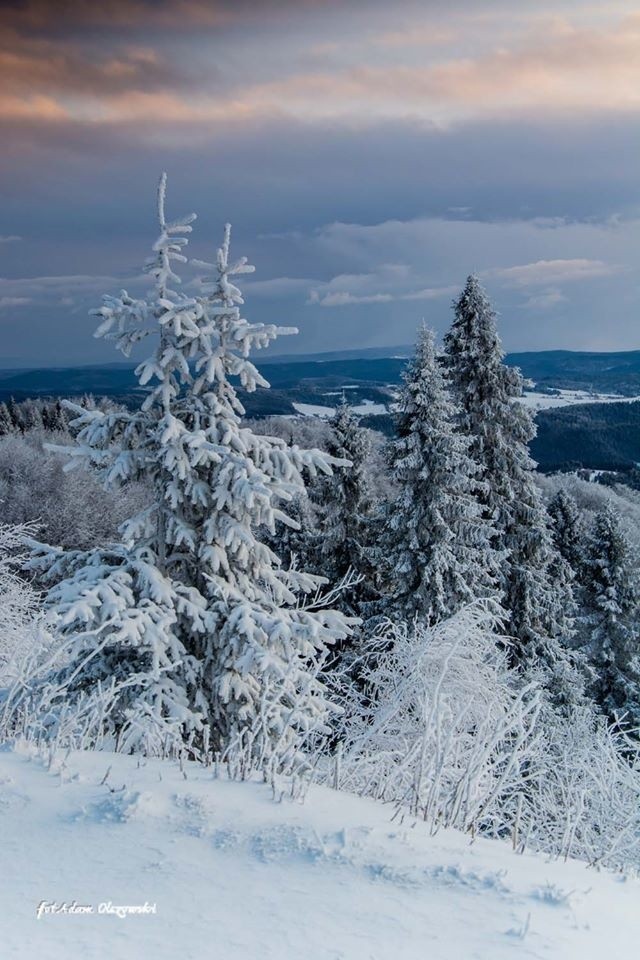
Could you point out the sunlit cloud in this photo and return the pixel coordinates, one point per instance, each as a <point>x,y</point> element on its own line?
<point>421,36</point>
<point>34,108</point>
<point>370,155</point>
<point>571,69</point>
<point>561,66</point>
<point>543,272</point>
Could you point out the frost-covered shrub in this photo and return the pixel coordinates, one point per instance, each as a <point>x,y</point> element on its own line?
<point>592,498</point>
<point>21,619</point>
<point>71,508</point>
<point>23,631</point>
<point>446,729</point>
<point>452,735</point>
<point>581,796</point>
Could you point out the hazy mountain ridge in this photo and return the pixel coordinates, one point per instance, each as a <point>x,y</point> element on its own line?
<point>611,372</point>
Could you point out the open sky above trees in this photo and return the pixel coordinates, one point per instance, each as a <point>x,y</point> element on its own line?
<point>370,155</point>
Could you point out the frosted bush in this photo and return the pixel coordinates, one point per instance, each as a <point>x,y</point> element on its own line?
<point>447,732</point>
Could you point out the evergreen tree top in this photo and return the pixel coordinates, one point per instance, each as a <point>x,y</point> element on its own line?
<point>424,397</point>
<point>473,348</point>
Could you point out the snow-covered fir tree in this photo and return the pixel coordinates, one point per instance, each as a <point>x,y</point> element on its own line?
<point>346,503</point>
<point>6,423</point>
<point>16,415</point>
<point>613,618</point>
<point>434,553</point>
<point>209,639</point>
<point>536,584</point>
<point>54,417</point>
<point>568,530</point>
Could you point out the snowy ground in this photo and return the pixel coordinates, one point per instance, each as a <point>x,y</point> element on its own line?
<point>233,874</point>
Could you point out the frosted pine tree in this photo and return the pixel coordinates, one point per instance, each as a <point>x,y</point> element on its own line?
<point>569,538</point>
<point>536,585</point>
<point>259,662</point>
<point>346,503</point>
<point>435,551</point>
<point>568,530</point>
<point>16,416</point>
<point>613,620</point>
<point>55,418</point>
<point>211,640</point>
<point>6,423</point>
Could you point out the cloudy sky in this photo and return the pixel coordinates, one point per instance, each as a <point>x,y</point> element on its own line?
<point>369,155</point>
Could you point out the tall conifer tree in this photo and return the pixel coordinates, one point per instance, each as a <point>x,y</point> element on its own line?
<point>613,618</point>
<point>536,585</point>
<point>435,550</point>
<point>346,503</point>
<point>568,530</point>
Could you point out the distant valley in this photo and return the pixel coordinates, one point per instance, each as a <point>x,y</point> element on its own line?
<point>579,424</point>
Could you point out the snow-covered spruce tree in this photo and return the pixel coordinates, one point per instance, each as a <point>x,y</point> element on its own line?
<point>613,619</point>
<point>6,423</point>
<point>568,530</point>
<point>210,638</point>
<point>16,416</point>
<point>346,503</point>
<point>434,554</point>
<point>536,584</point>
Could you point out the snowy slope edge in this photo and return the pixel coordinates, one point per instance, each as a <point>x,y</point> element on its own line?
<point>330,878</point>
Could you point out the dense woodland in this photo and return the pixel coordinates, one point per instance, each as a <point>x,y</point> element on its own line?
<point>422,618</point>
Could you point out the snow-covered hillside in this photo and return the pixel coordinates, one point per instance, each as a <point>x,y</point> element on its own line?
<point>230,873</point>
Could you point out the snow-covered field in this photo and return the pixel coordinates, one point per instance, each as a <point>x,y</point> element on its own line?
<point>366,408</point>
<point>231,874</point>
<point>532,399</point>
<point>566,398</point>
